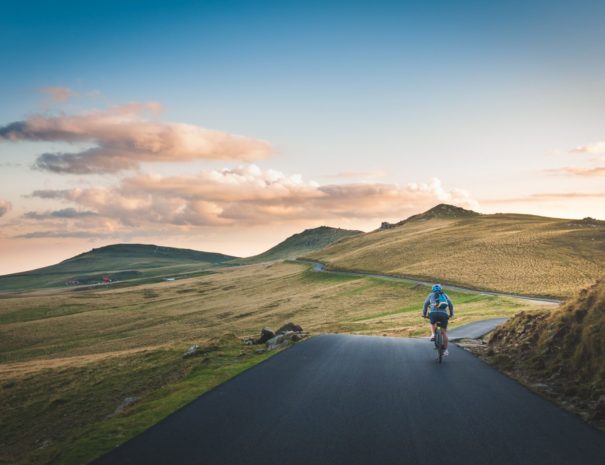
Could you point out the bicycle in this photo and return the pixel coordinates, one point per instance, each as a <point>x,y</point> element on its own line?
<point>439,346</point>
<point>439,342</point>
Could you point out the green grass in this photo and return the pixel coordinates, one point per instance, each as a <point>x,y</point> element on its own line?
<point>77,428</point>
<point>300,244</point>
<point>67,359</point>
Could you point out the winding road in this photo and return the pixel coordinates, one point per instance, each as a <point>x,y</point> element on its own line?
<point>321,268</point>
<point>365,400</point>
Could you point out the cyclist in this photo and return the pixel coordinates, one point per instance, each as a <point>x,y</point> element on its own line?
<point>441,309</point>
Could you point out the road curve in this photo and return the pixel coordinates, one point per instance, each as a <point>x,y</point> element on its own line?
<point>475,330</point>
<point>321,268</point>
<point>361,400</point>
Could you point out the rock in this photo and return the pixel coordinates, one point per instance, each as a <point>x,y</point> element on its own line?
<point>290,327</point>
<point>193,350</point>
<point>265,335</point>
<point>276,342</point>
<point>125,403</point>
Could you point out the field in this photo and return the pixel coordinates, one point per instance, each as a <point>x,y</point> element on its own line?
<point>518,254</point>
<point>68,358</point>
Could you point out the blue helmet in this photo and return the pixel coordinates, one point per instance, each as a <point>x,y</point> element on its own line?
<point>437,288</point>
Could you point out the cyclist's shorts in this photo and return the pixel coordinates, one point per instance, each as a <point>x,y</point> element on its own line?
<point>439,316</point>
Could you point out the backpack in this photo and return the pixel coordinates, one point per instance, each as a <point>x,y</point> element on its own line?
<point>441,300</point>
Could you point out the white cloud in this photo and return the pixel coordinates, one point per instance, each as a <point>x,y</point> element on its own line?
<point>125,136</point>
<point>247,195</point>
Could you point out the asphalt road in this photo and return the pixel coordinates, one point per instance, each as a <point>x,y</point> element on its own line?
<point>475,330</point>
<point>321,268</point>
<point>352,400</point>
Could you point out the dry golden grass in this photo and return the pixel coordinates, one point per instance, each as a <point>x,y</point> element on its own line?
<point>519,254</point>
<point>68,358</point>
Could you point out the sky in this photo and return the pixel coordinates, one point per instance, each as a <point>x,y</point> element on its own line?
<point>228,126</point>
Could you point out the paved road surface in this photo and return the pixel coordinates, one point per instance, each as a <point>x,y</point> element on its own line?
<point>475,330</point>
<point>320,267</point>
<point>353,400</point>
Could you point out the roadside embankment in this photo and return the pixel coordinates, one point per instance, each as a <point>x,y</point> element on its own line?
<point>559,353</point>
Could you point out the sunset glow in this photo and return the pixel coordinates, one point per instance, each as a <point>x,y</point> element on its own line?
<point>228,126</point>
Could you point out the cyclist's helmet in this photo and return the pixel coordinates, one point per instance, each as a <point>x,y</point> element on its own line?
<point>437,288</point>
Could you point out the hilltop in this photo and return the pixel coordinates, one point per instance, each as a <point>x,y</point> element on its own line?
<point>309,240</point>
<point>514,253</point>
<point>118,262</point>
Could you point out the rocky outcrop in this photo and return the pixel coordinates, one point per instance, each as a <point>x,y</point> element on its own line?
<point>285,335</point>
<point>290,327</point>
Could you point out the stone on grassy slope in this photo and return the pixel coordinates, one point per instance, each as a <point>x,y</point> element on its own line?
<point>289,327</point>
<point>265,335</point>
<point>193,350</point>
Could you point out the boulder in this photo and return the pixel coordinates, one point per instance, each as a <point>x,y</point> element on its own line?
<point>193,350</point>
<point>289,327</point>
<point>265,335</point>
<point>276,342</point>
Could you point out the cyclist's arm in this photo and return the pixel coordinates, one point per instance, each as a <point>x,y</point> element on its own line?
<point>427,302</point>
<point>450,306</point>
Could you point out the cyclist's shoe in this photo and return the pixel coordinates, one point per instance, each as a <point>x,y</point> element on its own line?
<point>432,338</point>
<point>446,353</point>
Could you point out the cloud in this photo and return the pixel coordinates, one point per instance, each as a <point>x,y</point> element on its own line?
<point>248,196</point>
<point>593,171</point>
<point>62,234</point>
<point>5,207</point>
<point>545,197</point>
<point>126,136</point>
<point>595,147</point>
<point>58,94</point>
<point>64,213</point>
<point>579,171</point>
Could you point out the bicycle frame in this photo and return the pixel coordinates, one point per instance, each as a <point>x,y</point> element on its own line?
<point>439,342</point>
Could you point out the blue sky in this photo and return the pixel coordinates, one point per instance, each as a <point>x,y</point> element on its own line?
<point>489,97</point>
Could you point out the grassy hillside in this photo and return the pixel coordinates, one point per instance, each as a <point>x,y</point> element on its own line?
<point>309,240</point>
<point>69,359</point>
<point>504,252</point>
<point>120,262</point>
<point>562,351</point>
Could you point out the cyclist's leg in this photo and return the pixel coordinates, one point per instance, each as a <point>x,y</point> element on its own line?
<point>444,331</point>
<point>433,325</point>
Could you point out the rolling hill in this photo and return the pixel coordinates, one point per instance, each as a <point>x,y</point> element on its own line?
<point>309,240</point>
<point>119,262</point>
<point>514,253</point>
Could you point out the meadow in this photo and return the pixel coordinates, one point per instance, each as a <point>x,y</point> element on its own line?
<point>69,358</point>
<point>519,254</point>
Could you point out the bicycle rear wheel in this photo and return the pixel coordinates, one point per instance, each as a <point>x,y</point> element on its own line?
<point>439,344</point>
